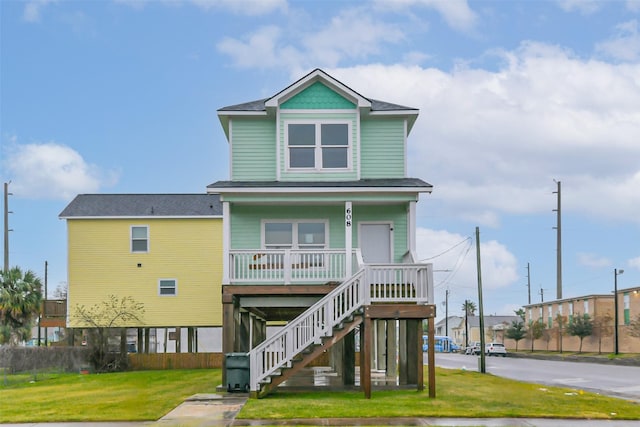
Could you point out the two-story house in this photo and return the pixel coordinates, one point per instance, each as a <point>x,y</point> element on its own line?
<point>163,251</point>
<point>319,205</point>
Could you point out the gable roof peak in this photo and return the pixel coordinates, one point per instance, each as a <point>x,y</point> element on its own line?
<point>311,78</point>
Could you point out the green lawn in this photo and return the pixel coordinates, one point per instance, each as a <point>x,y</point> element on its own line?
<point>148,395</point>
<point>459,394</point>
<point>124,396</point>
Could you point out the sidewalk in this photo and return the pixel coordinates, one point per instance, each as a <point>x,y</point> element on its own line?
<point>204,410</point>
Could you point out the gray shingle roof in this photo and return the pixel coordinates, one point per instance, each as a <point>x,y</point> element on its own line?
<point>491,321</point>
<point>409,183</point>
<point>259,105</point>
<point>143,205</point>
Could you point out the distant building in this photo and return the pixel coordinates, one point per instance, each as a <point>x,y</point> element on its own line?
<point>600,309</point>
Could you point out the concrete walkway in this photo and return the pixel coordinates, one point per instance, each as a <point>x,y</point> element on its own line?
<point>204,410</point>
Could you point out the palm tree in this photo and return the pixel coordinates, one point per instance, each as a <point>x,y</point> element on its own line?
<point>469,308</point>
<point>20,301</point>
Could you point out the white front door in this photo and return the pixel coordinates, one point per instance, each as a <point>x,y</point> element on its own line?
<point>375,242</point>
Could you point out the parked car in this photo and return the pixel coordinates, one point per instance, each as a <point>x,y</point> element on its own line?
<point>473,348</point>
<point>495,349</point>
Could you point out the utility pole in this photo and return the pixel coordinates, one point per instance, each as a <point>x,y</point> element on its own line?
<point>541,295</point>
<point>558,228</point>
<point>6,225</point>
<point>483,368</point>
<point>529,282</point>
<point>446,312</point>
<point>466,323</point>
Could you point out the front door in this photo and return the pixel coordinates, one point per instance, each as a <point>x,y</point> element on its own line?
<point>375,242</point>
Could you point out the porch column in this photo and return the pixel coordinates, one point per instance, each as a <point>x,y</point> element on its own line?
<point>392,348</point>
<point>348,238</point>
<point>226,242</point>
<point>411,228</point>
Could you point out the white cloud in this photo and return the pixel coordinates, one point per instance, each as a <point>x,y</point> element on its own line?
<point>633,5</point>
<point>33,10</point>
<point>592,260</point>
<point>492,141</point>
<point>245,7</point>
<point>625,44</point>
<point>586,7</point>
<point>456,13</point>
<point>51,171</point>
<point>365,34</point>
<point>272,46</point>
<point>634,263</point>
<point>455,258</point>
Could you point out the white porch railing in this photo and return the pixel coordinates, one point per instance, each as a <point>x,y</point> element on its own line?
<point>288,266</point>
<point>388,283</point>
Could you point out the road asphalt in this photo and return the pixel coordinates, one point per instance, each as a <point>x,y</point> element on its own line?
<point>203,410</point>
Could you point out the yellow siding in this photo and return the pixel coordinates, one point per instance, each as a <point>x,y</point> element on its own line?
<point>188,250</point>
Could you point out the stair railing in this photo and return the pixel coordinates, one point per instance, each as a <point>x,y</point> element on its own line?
<point>375,283</point>
<point>308,328</point>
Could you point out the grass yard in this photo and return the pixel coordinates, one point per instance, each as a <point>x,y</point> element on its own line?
<point>459,394</point>
<point>148,395</point>
<point>124,396</point>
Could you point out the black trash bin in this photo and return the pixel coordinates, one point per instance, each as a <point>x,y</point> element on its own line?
<point>236,366</point>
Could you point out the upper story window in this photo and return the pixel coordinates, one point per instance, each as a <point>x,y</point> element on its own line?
<point>318,145</point>
<point>139,238</point>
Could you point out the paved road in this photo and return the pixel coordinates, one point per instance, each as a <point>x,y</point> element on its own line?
<point>611,380</point>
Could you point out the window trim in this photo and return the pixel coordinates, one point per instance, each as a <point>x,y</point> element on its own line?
<point>131,239</point>
<point>175,287</point>
<point>318,145</point>
<point>294,232</point>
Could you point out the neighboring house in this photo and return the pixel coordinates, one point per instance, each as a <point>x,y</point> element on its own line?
<point>494,327</point>
<point>162,250</point>
<point>455,325</point>
<point>318,189</point>
<point>600,309</point>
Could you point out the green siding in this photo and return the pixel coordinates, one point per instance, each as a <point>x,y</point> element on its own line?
<point>253,149</point>
<point>317,97</point>
<point>246,222</point>
<point>383,148</point>
<point>397,214</point>
<point>313,175</point>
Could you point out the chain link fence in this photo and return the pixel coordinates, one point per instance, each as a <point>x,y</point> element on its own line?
<point>27,364</point>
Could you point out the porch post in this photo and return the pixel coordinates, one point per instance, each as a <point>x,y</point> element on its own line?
<point>348,239</point>
<point>226,242</point>
<point>411,228</point>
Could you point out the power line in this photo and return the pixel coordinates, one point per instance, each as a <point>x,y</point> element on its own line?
<point>448,250</point>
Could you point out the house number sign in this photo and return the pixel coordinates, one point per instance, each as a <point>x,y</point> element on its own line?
<point>347,217</point>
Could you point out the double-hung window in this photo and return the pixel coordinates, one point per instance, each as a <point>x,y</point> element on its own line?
<point>306,235</point>
<point>139,238</point>
<point>318,145</point>
<point>301,234</point>
<point>167,287</point>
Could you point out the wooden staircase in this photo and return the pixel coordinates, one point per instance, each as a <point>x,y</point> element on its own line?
<point>333,317</point>
<point>309,354</point>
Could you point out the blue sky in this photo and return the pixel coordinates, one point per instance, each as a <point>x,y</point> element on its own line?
<point>121,97</point>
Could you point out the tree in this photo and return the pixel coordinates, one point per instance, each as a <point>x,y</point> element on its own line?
<point>516,331</point>
<point>634,327</point>
<point>581,326</point>
<point>104,320</point>
<point>536,331</point>
<point>520,313</point>
<point>561,321</point>
<point>469,308</point>
<point>602,327</point>
<point>20,302</point>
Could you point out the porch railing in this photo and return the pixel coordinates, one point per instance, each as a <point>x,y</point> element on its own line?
<point>289,265</point>
<point>381,283</point>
